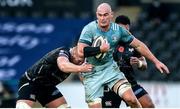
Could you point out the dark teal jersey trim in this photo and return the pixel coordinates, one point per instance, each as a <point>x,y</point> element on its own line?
<point>130,40</point>
<point>85,41</point>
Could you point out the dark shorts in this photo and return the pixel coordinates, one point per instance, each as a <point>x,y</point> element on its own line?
<point>139,91</point>
<point>29,90</point>
<point>112,100</point>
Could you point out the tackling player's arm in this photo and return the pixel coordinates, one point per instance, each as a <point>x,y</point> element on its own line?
<point>144,50</point>
<point>66,66</point>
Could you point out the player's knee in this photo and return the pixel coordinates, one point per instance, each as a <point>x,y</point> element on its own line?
<point>124,91</point>
<point>132,101</point>
<point>64,106</point>
<point>95,103</point>
<point>146,101</point>
<point>149,105</point>
<point>122,88</point>
<point>22,105</point>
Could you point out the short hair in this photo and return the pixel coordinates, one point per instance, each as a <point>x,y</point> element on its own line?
<point>123,20</point>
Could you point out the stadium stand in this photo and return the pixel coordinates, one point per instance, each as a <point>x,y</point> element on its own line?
<point>163,40</point>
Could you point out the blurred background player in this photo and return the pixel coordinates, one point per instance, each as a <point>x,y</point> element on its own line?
<point>106,72</point>
<point>39,82</point>
<point>127,57</point>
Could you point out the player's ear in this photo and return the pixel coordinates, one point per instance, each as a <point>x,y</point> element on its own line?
<point>96,14</point>
<point>127,27</point>
<point>112,14</point>
<point>75,51</point>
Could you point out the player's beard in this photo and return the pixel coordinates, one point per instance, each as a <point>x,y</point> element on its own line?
<point>104,27</point>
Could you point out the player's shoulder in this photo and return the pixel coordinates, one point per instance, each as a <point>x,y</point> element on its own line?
<point>115,26</point>
<point>55,52</point>
<point>64,51</point>
<point>91,24</point>
<point>63,48</point>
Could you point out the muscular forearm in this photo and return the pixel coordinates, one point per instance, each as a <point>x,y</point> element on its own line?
<point>81,49</point>
<point>144,50</point>
<point>68,67</point>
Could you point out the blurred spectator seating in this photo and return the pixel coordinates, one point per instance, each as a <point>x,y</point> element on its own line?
<point>163,39</point>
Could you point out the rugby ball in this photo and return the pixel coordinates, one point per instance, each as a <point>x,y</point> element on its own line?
<point>96,43</point>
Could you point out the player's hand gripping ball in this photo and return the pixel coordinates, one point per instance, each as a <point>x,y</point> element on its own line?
<point>96,43</point>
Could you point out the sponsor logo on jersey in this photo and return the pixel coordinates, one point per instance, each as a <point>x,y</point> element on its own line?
<point>108,103</point>
<point>114,38</point>
<point>131,49</point>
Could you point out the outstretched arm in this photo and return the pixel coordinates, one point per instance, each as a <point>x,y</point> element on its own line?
<point>144,50</point>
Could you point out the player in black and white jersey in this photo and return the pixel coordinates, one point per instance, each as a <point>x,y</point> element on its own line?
<point>39,81</point>
<point>127,57</point>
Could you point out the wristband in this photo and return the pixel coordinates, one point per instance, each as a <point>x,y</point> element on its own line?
<point>91,51</point>
<point>140,64</point>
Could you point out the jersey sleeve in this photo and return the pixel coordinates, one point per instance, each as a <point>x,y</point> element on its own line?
<point>126,36</point>
<point>86,36</point>
<point>64,53</point>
